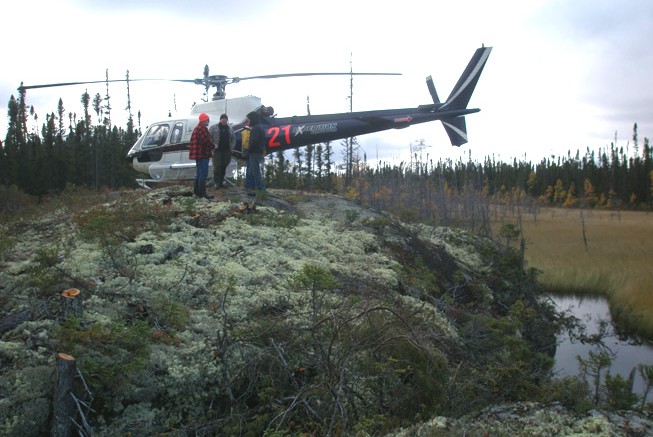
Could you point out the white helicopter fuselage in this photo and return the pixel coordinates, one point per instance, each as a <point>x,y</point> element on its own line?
<point>161,152</point>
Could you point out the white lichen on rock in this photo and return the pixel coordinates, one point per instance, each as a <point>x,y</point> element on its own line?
<point>430,315</point>
<point>209,278</point>
<point>524,420</point>
<point>462,246</point>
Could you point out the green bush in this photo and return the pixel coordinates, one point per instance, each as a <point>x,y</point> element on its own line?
<point>273,219</point>
<point>122,221</point>
<point>570,391</point>
<point>45,272</point>
<point>6,242</point>
<point>619,391</point>
<point>108,354</point>
<point>13,200</point>
<point>169,313</point>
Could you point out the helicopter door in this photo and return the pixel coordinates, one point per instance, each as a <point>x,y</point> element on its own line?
<point>177,132</point>
<point>180,166</point>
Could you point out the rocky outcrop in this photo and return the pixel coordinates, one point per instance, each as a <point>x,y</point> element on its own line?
<point>533,419</point>
<point>301,312</point>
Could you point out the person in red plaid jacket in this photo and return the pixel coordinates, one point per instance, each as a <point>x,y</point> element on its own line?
<point>201,150</point>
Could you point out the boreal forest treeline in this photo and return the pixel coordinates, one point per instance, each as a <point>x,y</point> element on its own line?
<point>71,150</point>
<point>67,150</point>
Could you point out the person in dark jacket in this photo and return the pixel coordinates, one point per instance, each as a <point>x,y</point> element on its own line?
<point>224,139</point>
<point>256,151</point>
<point>201,149</point>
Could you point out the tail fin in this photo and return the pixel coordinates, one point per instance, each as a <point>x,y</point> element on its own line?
<point>462,92</point>
<point>460,95</point>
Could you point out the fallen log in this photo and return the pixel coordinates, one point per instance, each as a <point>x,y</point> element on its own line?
<point>71,305</point>
<point>12,320</point>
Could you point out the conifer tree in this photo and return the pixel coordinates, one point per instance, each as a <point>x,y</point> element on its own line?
<point>86,100</point>
<point>328,165</point>
<point>650,177</point>
<point>635,145</point>
<point>297,168</point>
<point>61,111</point>
<point>129,103</point>
<point>107,105</point>
<point>97,106</point>
<point>531,183</point>
<point>280,170</point>
<point>570,197</point>
<point>308,179</point>
<point>3,164</point>
<point>559,193</point>
<point>21,117</point>
<point>589,195</point>
<point>308,150</point>
<point>348,155</point>
<point>319,163</point>
<point>45,167</point>
<point>12,145</point>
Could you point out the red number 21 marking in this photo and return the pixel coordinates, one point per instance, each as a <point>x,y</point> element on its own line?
<point>275,139</point>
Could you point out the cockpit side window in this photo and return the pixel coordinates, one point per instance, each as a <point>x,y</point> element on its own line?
<point>177,132</point>
<point>156,135</point>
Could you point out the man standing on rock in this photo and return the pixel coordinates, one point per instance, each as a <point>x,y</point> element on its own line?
<point>225,140</point>
<point>201,148</point>
<point>256,152</point>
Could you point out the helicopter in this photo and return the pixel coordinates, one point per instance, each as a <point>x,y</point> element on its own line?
<point>161,152</point>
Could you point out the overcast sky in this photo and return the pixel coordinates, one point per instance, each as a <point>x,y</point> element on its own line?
<point>562,76</point>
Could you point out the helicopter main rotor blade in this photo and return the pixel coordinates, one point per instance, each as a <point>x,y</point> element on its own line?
<point>209,81</point>
<point>50,85</point>
<point>274,76</point>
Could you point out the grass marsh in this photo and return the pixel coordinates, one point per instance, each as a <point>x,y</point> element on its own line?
<point>595,251</point>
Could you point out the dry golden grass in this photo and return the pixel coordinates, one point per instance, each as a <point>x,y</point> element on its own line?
<point>616,262</point>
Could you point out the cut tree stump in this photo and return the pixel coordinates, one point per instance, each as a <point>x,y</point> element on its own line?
<point>63,403</point>
<point>71,303</point>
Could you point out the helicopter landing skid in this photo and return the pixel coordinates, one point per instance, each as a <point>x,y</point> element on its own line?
<point>143,183</point>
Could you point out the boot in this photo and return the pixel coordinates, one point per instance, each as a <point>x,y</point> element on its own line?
<point>219,178</point>
<point>202,190</point>
<point>196,190</point>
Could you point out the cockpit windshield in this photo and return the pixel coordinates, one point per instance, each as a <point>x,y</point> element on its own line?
<point>156,135</point>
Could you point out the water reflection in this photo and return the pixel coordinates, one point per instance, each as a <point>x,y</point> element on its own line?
<point>628,353</point>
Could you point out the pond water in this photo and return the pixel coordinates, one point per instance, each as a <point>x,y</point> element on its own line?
<point>628,353</point>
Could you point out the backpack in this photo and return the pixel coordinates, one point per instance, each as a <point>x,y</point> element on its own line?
<point>244,136</point>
